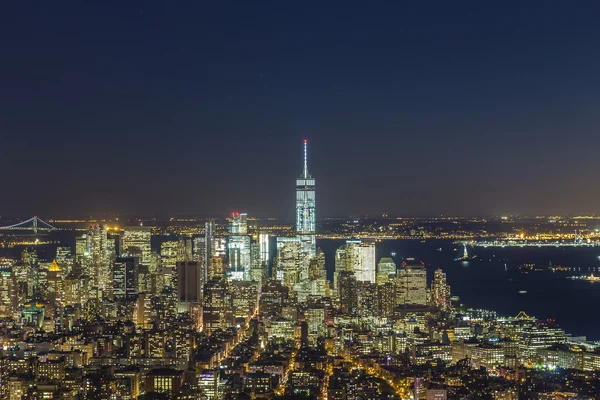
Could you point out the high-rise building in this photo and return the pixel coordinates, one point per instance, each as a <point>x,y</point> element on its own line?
<point>171,251</point>
<point>125,278</point>
<point>306,222</point>
<point>54,279</point>
<point>315,285</point>
<point>386,299</point>
<point>189,285</point>
<point>136,240</point>
<point>8,291</point>
<point>259,271</point>
<point>209,241</point>
<point>238,225</point>
<point>245,298</point>
<point>411,284</point>
<point>347,292</point>
<point>217,310</point>
<point>199,255</point>
<point>238,248</point>
<point>100,262</point>
<point>288,261</point>
<point>357,256</point>
<point>315,318</point>
<point>82,247</point>
<point>440,291</point>
<point>386,270</point>
<point>366,299</point>
<point>265,255</point>
<point>273,296</point>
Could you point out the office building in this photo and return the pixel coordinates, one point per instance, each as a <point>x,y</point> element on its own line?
<point>189,285</point>
<point>136,241</point>
<point>440,291</point>
<point>411,284</point>
<point>386,270</point>
<point>125,278</point>
<point>264,249</point>
<point>217,309</point>
<point>239,248</point>
<point>347,292</point>
<point>357,256</point>
<point>245,298</point>
<point>208,384</point>
<point>273,297</point>
<point>164,380</point>
<point>171,251</point>
<point>288,261</point>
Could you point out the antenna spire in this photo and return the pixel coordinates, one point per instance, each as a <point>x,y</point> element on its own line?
<point>305,160</point>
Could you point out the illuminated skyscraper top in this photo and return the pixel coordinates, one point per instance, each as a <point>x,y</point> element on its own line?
<point>305,174</point>
<point>305,200</point>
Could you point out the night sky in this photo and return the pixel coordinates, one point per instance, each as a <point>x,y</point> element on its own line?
<point>200,107</point>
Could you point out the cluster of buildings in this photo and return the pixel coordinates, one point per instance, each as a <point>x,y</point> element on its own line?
<point>124,314</point>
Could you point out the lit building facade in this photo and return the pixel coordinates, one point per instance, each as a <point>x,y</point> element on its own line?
<point>386,270</point>
<point>136,239</point>
<point>306,220</point>
<point>217,311</point>
<point>440,291</point>
<point>125,278</point>
<point>411,284</point>
<point>357,256</point>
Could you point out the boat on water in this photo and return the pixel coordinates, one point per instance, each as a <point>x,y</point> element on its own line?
<point>522,291</point>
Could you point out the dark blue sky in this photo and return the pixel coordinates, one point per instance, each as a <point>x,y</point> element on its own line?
<point>194,107</point>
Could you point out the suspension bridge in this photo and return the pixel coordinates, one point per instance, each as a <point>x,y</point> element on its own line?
<point>34,224</point>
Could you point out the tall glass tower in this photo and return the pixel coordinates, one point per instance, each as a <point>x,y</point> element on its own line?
<point>305,201</point>
<point>306,220</point>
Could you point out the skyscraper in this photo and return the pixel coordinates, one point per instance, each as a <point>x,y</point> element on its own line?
<point>217,311</point>
<point>100,263</point>
<point>305,200</point>
<point>136,239</point>
<point>209,252</point>
<point>386,270</point>
<point>306,220</point>
<point>238,224</point>
<point>357,256</point>
<point>54,286</point>
<point>189,284</point>
<point>288,263</point>
<point>440,290</point>
<point>125,278</point>
<point>238,248</point>
<point>411,284</point>
<point>347,292</point>
<point>265,256</point>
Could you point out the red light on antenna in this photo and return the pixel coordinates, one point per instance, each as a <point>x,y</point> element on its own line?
<point>305,141</point>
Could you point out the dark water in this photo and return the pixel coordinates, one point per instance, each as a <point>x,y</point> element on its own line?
<point>493,282</point>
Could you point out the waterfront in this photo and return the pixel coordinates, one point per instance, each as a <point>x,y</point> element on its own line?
<point>487,283</point>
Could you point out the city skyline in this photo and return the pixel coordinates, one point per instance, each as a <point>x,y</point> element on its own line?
<point>274,200</point>
<point>431,109</point>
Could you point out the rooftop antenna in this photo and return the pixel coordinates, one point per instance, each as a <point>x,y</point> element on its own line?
<point>305,158</point>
